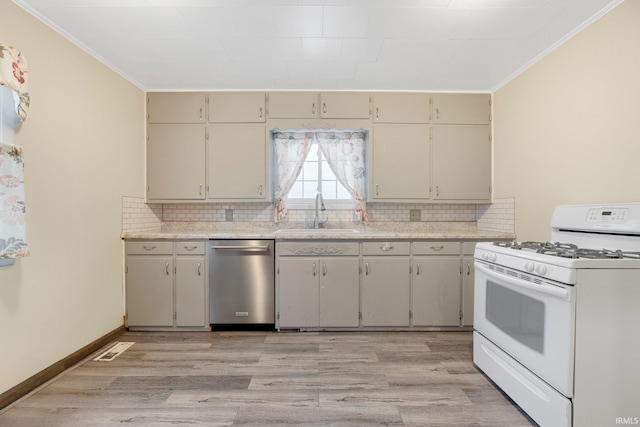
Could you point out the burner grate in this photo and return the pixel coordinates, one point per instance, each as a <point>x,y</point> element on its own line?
<point>568,250</point>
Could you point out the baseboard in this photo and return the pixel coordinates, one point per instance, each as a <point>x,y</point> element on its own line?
<point>30,384</point>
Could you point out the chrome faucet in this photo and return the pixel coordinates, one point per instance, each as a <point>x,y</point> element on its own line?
<point>316,218</point>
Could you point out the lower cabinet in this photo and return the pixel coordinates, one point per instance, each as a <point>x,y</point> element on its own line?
<point>375,284</point>
<point>435,299</point>
<point>166,285</point>
<point>467,283</point>
<point>318,291</point>
<point>386,283</point>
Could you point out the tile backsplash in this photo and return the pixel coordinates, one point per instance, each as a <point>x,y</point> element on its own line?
<point>140,216</point>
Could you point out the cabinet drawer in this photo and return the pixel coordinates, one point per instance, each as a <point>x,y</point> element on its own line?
<point>190,248</point>
<point>318,248</point>
<point>436,248</point>
<point>386,248</point>
<point>149,248</point>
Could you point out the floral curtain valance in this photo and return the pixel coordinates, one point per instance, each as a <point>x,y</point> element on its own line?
<point>14,74</point>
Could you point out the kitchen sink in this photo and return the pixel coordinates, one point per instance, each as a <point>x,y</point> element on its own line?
<point>318,231</point>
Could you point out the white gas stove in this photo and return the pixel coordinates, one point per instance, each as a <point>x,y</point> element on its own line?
<point>554,322</point>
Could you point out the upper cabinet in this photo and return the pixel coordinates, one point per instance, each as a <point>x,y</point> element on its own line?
<point>176,108</point>
<point>293,105</point>
<point>176,162</point>
<point>461,163</point>
<point>237,162</point>
<point>326,105</point>
<point>237,107</point>
<point>344,105</point>
<point>401,108</point>
<point>401,163</point>
<point>458,108</point>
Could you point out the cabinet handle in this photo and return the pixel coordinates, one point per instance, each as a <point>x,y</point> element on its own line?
<point>437,190</point>
<point>200,113</point>
<point>199,271</point>
<point>417,268</point>
<point>190,248</point>
<point>366,268</point>
<point>377,113</point>
<point>313,108</point>
<point>166,268</point>
<point>437,113</point>
<point>260,189</point>
<point>260,113</point>
<point>377,190</point>
<point>386,246</point>
<point>437,248</point>
<point>200,191</point>
<point>148,248</point>
<point>324,269</point>
<point>468,269</point>
<point>324,108</point>
<point>314,269</point>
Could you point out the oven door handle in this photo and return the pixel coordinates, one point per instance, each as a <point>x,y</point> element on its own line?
<point>552,290</point>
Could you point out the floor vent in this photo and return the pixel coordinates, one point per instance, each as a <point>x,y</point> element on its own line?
<point>114,351</point>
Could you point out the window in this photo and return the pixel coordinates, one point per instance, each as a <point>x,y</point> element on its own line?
<point>332,162</point>
<point>316,175</point>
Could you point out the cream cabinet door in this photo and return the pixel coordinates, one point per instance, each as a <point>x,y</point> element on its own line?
<point>401,163</point>
<point>293,105</point>
<point>385,291</point>
<point>176,107</point>
<point>467,290</point>
<point>461,163</point>
<point>436,291</point>
<point>457,108</point>
<point>401,108</point>
<point>176,162</point>
<point>237,107</point>
<point>149,291</point>
<point>190,291</point>
<point>237,162</point>
<point>344,105</point>
<point>298,280</point>
<point>339,298</point>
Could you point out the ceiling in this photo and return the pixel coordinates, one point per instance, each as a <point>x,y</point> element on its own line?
<point>417,45</point>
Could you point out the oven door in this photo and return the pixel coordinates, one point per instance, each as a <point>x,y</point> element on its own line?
<point>530,319</point>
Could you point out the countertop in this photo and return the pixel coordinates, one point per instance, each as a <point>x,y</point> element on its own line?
<point>335,231</point>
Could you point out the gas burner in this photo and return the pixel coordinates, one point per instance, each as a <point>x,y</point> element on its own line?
<point>567,250</point>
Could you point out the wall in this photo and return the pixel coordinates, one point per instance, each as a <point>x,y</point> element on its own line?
<point>568,129</point>
<point>84,149</point>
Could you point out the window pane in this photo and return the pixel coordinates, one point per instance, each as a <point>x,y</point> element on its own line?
<point>310,170</point>
<point>310,188</point>
<point>296,191</point>
<point>329,189</point>
<point>343,193</point>
<point>313,154</point>
<point>327,173</point>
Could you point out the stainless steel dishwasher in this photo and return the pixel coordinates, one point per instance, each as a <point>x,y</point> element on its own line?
<point>241,282</point>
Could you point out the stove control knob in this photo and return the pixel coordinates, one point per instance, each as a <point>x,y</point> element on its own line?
<point>529,267</point>
<point>542,270</point>
<point>492,257</point>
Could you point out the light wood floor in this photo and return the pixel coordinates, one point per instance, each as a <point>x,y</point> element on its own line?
<point>269,378</point>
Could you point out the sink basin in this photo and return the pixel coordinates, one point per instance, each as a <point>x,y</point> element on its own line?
<point>318,231</point>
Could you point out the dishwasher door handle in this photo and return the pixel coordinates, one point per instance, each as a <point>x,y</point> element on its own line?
<point>243,248</point>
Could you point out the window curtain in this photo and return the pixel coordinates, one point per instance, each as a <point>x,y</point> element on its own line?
<point>345,153</point>
<point>291,150</point>
<point>14,74</point>
<point>14,103</point>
